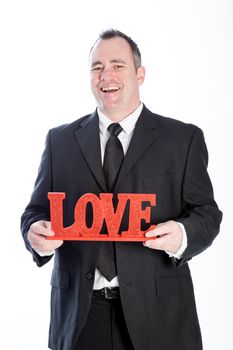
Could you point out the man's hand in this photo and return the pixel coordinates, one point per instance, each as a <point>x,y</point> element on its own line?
<point>167,236</point>
<point>37,237</point>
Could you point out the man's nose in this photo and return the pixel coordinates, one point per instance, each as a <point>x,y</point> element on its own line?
<point>106,74</point>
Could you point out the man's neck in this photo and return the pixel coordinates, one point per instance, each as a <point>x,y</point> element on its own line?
<point>118,116</point>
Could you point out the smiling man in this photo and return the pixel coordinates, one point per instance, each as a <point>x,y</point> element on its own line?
<point>124,295</point>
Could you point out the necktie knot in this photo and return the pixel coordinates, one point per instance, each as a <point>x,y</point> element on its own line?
<point>115,129</point>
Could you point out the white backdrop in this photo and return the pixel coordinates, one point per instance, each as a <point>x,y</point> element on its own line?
<point>187,49</point>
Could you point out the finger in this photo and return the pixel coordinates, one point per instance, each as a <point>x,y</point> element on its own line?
<point>52,245</point>
<point>35,238</point>
<point>151,233</point>
<point>157,232</point>
<point>42,228</point>
<point>46,246</point>
<point>156,243</point>
<point>47,224</point>
<point>161,229</point>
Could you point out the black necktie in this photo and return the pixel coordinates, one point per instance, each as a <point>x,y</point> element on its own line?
<point>113,159</point>
<point>113,156</point>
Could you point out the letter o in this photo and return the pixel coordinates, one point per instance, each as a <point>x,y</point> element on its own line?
<point>80,215</point>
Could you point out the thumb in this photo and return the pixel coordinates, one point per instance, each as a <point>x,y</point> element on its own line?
<point>44,228</point>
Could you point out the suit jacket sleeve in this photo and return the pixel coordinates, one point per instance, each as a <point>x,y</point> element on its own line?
<point>201,216</point>
<point>38,208</point>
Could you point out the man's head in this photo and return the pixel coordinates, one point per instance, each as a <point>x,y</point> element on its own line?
<point>116,74</point>
<point>113,33</point>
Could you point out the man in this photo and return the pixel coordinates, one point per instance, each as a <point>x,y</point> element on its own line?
<point>147,300</point>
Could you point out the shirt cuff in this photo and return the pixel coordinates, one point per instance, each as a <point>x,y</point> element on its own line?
<point>180,251</point>
<point>44,254</point>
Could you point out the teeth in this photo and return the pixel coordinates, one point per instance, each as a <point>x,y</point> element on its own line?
<point>112,88</point>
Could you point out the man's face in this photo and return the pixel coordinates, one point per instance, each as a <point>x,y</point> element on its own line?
<point>114,79</point>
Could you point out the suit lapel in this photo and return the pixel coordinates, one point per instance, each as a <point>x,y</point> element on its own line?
<point>87,135</point>
<point>146,131</point>
<point>89,141</point>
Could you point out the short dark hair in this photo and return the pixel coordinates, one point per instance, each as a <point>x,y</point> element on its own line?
<point>113,33</point>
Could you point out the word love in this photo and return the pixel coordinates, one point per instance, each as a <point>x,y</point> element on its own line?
<point>102,210</point>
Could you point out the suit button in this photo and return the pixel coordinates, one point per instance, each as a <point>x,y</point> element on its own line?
<point>89,276</point>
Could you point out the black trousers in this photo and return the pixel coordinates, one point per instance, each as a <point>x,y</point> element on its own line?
<point>105,328</point>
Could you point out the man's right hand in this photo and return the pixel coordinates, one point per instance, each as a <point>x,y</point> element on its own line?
<point>37,237</point>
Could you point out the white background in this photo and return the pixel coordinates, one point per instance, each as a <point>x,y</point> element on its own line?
<point>187,49</point>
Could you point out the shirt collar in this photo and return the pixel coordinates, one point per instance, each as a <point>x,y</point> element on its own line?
<point>127,124</point>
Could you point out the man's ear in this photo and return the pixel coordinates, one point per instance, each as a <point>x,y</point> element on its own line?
<point>141,75</point>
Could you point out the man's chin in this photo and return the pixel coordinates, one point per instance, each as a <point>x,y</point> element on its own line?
<point>110,107</point>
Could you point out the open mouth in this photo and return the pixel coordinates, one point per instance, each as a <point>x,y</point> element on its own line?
<point>110,89</point>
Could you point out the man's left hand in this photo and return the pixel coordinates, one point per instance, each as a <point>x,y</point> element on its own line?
<point>166,236</point>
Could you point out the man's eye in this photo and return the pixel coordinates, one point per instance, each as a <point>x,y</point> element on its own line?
<point>119,66</point>
<point>96,69</point>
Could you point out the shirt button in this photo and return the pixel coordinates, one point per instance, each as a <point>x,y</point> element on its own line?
<point>89,276</point>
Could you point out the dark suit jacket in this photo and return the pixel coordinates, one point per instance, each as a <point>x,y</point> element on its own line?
<point>166,157</point>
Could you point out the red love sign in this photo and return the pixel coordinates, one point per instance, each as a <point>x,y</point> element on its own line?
<point>103,209</point>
